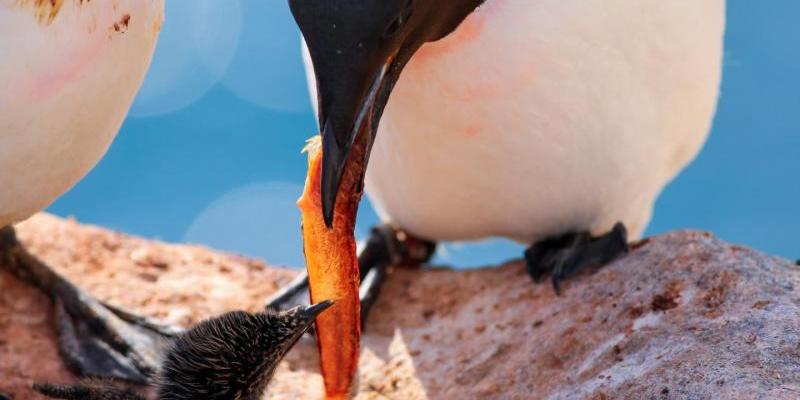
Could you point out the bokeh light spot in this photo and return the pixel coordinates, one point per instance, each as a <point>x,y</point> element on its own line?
<point>260,220</point>
<point>267,69</point>
<point>196,45</point>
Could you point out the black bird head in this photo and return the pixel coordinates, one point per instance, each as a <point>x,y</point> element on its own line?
<point>230,357</point>
<point>358,49</point>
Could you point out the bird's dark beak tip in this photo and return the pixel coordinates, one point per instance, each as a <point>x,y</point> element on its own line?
<point>327,215</point>
<point>334,158</point>
<point>314,310</point>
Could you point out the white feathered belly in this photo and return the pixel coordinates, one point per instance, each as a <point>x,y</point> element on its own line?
<point>538,118</point>
<point>68,75</point>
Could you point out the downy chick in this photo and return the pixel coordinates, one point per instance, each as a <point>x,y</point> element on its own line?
<point>229,357</point>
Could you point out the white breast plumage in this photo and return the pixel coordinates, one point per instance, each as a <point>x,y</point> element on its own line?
<point>539,117</point>
<point>69,72</point>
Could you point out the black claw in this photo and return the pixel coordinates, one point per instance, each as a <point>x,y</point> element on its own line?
<point>533,261</point>
<point>566,255</point>
<point>557,284</point>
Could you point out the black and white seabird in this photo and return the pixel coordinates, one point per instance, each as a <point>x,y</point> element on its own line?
<point>69,70</point>
<point>553,123</point>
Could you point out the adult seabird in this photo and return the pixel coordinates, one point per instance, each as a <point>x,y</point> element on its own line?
<point>547,122</point>
<point>68,74</point>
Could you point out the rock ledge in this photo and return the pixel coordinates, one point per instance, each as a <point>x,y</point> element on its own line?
<point>684,315</point>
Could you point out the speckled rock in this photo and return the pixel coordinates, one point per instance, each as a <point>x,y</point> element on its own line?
<point>683,316</point>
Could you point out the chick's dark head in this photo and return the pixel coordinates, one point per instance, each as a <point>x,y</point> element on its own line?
<point>232,356</point>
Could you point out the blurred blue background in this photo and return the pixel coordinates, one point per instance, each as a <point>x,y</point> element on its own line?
<point>210,152</point>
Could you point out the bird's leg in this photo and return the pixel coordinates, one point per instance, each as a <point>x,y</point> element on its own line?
<point>568,254</point>
<point>385,246</point>
<point>95,339</point>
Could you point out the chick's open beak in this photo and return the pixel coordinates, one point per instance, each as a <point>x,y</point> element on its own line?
<point>314,310</point>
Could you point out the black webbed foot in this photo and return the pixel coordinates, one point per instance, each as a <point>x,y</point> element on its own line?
<point>568,254</point>
<point>95,339</point>
<point>385,246</point>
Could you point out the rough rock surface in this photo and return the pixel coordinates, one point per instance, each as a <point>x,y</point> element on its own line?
<point>683,316</point>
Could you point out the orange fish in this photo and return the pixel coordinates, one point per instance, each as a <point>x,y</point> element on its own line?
<point>332,266</point>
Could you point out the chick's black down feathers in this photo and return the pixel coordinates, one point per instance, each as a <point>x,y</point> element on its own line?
<point>230,357</point>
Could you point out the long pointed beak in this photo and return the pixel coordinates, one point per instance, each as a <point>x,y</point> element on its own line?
<point>355,70</point>
<point>350,116</point>
<point>312,311</point>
